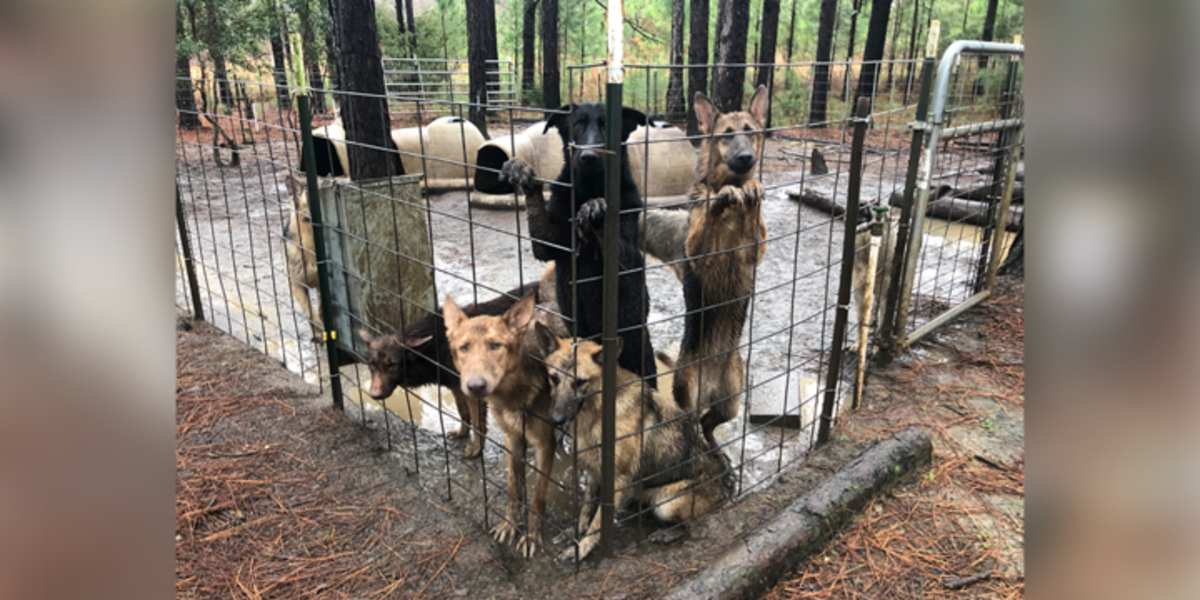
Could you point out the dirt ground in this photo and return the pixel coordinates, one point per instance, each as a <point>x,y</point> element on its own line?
<point>931,536</point>
<point>280,496</point>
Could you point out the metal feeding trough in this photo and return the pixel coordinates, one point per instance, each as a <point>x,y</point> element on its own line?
<point>672,161</point>
<point>441,150</point>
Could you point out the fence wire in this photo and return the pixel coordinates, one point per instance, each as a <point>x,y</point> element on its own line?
<point>446,225</point>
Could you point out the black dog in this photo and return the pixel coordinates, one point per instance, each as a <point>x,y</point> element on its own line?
<point>580,205</point>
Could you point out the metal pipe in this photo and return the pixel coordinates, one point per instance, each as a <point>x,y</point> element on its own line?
<point>612,241</point>
<point>924,174</point>
<point>943,318</point>
<point>981,128</point>
<point>898,253</point>
<point>861,120</point>
<point>946,67</point>
<point>189,265</point>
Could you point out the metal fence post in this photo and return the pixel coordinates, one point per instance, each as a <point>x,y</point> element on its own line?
<point>314,206</point>
<point>1004,138</point>
<point>189,265</point>
<point>612,241</point>
<point>917,220</point>
<point>861,120</point>
<point>1005,200</point>
<point>886,338</point>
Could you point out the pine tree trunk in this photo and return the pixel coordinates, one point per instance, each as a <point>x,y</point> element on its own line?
<point>912,49</point>
<point>733,25</point>
<point>989,30</point>
<point>697,55</point>
<point>312,60</point>
<point>895,38</point>
<point>412,27</point>
<point>881,11</point>
<point>215,40</point>
<point>400,27</point>
<point>481,47</point>
<point>850,43</point>
<point>766,53</point>
<point>185,95</point>
<point>675,104</point>
<point>551,75</point>
<point>279,72</point>
<point>360,66</point>
<point>791,33</point>
<point>529,48</point>
<point>820,94</point>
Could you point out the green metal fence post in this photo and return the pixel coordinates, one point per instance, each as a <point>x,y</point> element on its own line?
<point>861,120</point>
<point>189,265</point>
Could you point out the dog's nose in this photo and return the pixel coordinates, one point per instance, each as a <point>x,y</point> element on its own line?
<point>589,158</point>
<point>477,386</point>
<point>743,160</point>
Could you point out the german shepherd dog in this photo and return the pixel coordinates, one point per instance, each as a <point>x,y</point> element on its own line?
<point>577,205</point>
<point>497,362</point>
<point>299,248</point>
<point>420,355</point>
<point>725,244</point>
<point>661,459</point>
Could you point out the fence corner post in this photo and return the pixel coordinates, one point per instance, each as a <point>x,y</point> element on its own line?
<point>861,120</point>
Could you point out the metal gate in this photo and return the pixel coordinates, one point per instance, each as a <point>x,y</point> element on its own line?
<point>959,211</point>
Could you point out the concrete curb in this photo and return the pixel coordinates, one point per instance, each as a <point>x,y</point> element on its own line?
<point>757,562</point>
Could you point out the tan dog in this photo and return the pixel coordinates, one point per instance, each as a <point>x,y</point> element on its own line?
<point>300,249</point>
<point>669,466</point>
<point>725,244</point>
<point>492,355</point>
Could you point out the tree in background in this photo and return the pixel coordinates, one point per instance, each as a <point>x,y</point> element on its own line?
<point>529,48</point>
<point>850,39</point>
<point>820,94</point>
<point>881,11</point>
<point>551,75</point>
<point>279,58</point>
<point>185,95</point>
<point>989,30</point>
<point>912,49</point>
<point>675,104</point>
<point>360,65</point>
<point>697,55</point>
<point>766,54</point>
<point>312,53</point>
<point>733,25</point>
<point>214,39</point>
<point>481,47</point>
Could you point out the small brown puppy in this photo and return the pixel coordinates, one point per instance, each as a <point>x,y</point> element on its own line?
<point>492,355</point>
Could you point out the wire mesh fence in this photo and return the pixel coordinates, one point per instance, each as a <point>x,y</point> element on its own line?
<point>445,80</point>
<point>730,365</point>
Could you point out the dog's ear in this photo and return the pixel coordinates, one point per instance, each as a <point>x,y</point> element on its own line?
<point>758,105</point>
<point>560,120</point>
<point>545,338</point>
<point>598,355</point>
<point>631,118</point>
<point>452,314</point>
<point>521,313</point>
<point>706,113</point>
<point>416,342</point>
<point>366,336</point>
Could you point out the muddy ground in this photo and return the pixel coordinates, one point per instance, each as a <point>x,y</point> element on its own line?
<point>279,496</point>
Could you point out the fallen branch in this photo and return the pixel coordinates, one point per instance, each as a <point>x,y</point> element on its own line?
<point>961,583</point>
